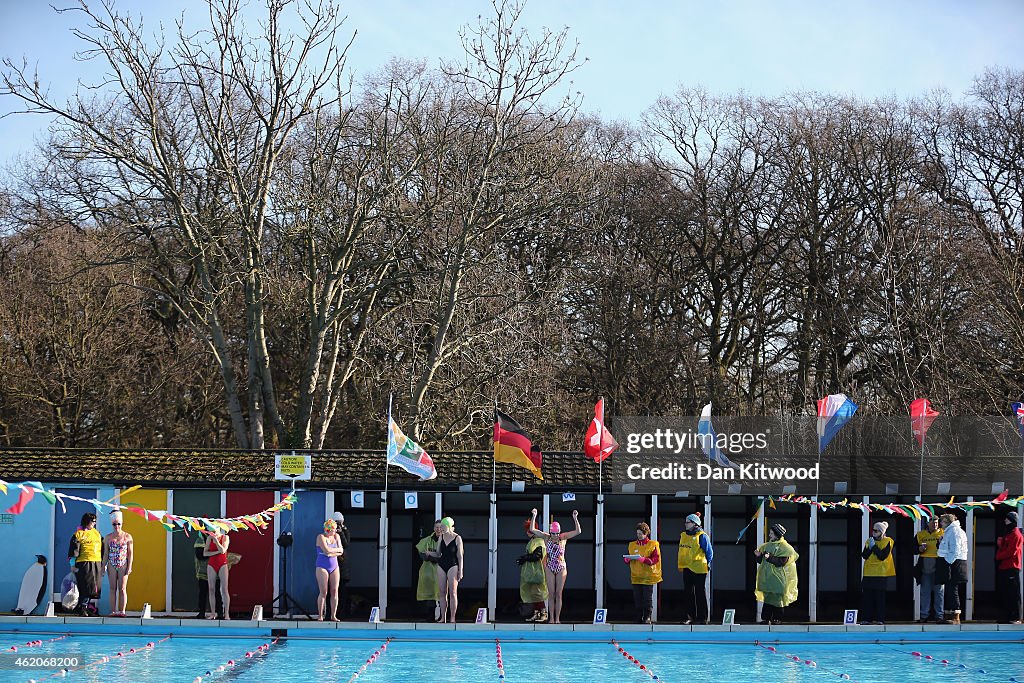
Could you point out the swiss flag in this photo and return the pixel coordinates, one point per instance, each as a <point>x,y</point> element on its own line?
<point>599,443</point>
<point>921,418</point>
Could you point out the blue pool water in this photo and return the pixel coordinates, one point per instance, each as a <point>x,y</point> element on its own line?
<point>186,658</point>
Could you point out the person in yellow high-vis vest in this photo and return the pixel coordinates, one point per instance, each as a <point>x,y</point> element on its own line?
<point>932,591</point>
<point>878,567</point>
<point>695,555</point>
<point>644,560</point>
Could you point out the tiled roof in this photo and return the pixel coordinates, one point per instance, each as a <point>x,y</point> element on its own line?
<point>563,471</point>
<point>255,469</point>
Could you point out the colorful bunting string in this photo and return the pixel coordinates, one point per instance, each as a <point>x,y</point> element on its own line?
<point>916,511</point>
<point>253,522</point>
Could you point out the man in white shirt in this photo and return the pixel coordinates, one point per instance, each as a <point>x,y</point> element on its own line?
<point>953,553</point>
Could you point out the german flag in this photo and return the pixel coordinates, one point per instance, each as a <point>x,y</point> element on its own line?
<point>513,445</point>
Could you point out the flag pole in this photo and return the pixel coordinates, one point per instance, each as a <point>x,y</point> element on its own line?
<point>382,554</point>
<point>390,398</point>
<point>494,460</point>
<point>600,462</point>
<point>599,530</point>
<point>492,531</point>
<point>817,481</point>
<point>920,476</point>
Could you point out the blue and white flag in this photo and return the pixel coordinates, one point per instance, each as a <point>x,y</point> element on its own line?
<point>709,439</point>
<point>834,411</point>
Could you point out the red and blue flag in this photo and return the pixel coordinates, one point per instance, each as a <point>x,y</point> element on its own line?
<point>834,411</point>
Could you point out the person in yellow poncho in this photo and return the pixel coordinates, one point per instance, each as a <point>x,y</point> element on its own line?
<point>878,567</point>
<point>533,586</point>
<point>776,575</point>
<point>426,583</point>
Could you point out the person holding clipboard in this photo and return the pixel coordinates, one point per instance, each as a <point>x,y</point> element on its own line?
<point>644,560</point>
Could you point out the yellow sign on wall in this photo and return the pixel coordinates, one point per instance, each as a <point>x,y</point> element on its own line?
<point>293,467</point>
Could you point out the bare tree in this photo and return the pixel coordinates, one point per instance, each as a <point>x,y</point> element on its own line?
<point>726,230</point>
<point>179,151</point>
<point>496,194</point>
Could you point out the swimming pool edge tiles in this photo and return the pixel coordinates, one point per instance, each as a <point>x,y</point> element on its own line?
<point>522,632</point>
<point>632,627</point>
<point>976,627</point>
<point>425,627</point>
<point>316,625</point>
<point>1010,627</point>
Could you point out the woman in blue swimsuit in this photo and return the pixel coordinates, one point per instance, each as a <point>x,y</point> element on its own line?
<point>449,569</point>
<point>328,550</point>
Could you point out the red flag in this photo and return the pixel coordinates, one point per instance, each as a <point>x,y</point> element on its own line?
<point>921,418</point>
<point>599,443</point>
<point>23,498</point>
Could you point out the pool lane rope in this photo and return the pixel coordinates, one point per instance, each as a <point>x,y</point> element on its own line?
<point>377,654</point>
<point>634,661</point>
<point>260,651</point>
<point>104,660</point>
<point>501,665</point>
<point>930,659</point>
<point>36,643</point>
<point>797,659</point>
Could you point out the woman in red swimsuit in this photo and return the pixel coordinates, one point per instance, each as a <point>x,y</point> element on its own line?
<point>217,567</point>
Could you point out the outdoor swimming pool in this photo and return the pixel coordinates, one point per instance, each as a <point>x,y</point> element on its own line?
<point>554,656</point>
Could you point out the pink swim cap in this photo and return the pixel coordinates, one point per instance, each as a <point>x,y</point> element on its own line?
<point>554,528</point>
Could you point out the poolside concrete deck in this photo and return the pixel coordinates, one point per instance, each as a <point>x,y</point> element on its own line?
<point>302,627</point>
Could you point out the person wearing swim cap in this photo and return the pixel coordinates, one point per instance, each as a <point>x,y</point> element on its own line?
<point>555,569</point>
<point>878,567</point>
<point>118,555</point>
<point>695,555</point>
<point>328,551</point>
<point>449,570</point>
<point>776,583</point>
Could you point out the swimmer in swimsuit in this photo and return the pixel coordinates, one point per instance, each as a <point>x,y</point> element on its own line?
<point>118,554</point>
<point>555,568</point>
<point>217,567</point>
<point>328,574</point>
<point>449,569</point>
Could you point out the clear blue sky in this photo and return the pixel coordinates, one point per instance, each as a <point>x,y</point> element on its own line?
<point>637,50</point>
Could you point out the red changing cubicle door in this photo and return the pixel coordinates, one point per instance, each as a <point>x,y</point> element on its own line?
<point>252,579</point>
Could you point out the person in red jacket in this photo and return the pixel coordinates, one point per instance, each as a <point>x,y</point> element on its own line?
<point>1008,558</point>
